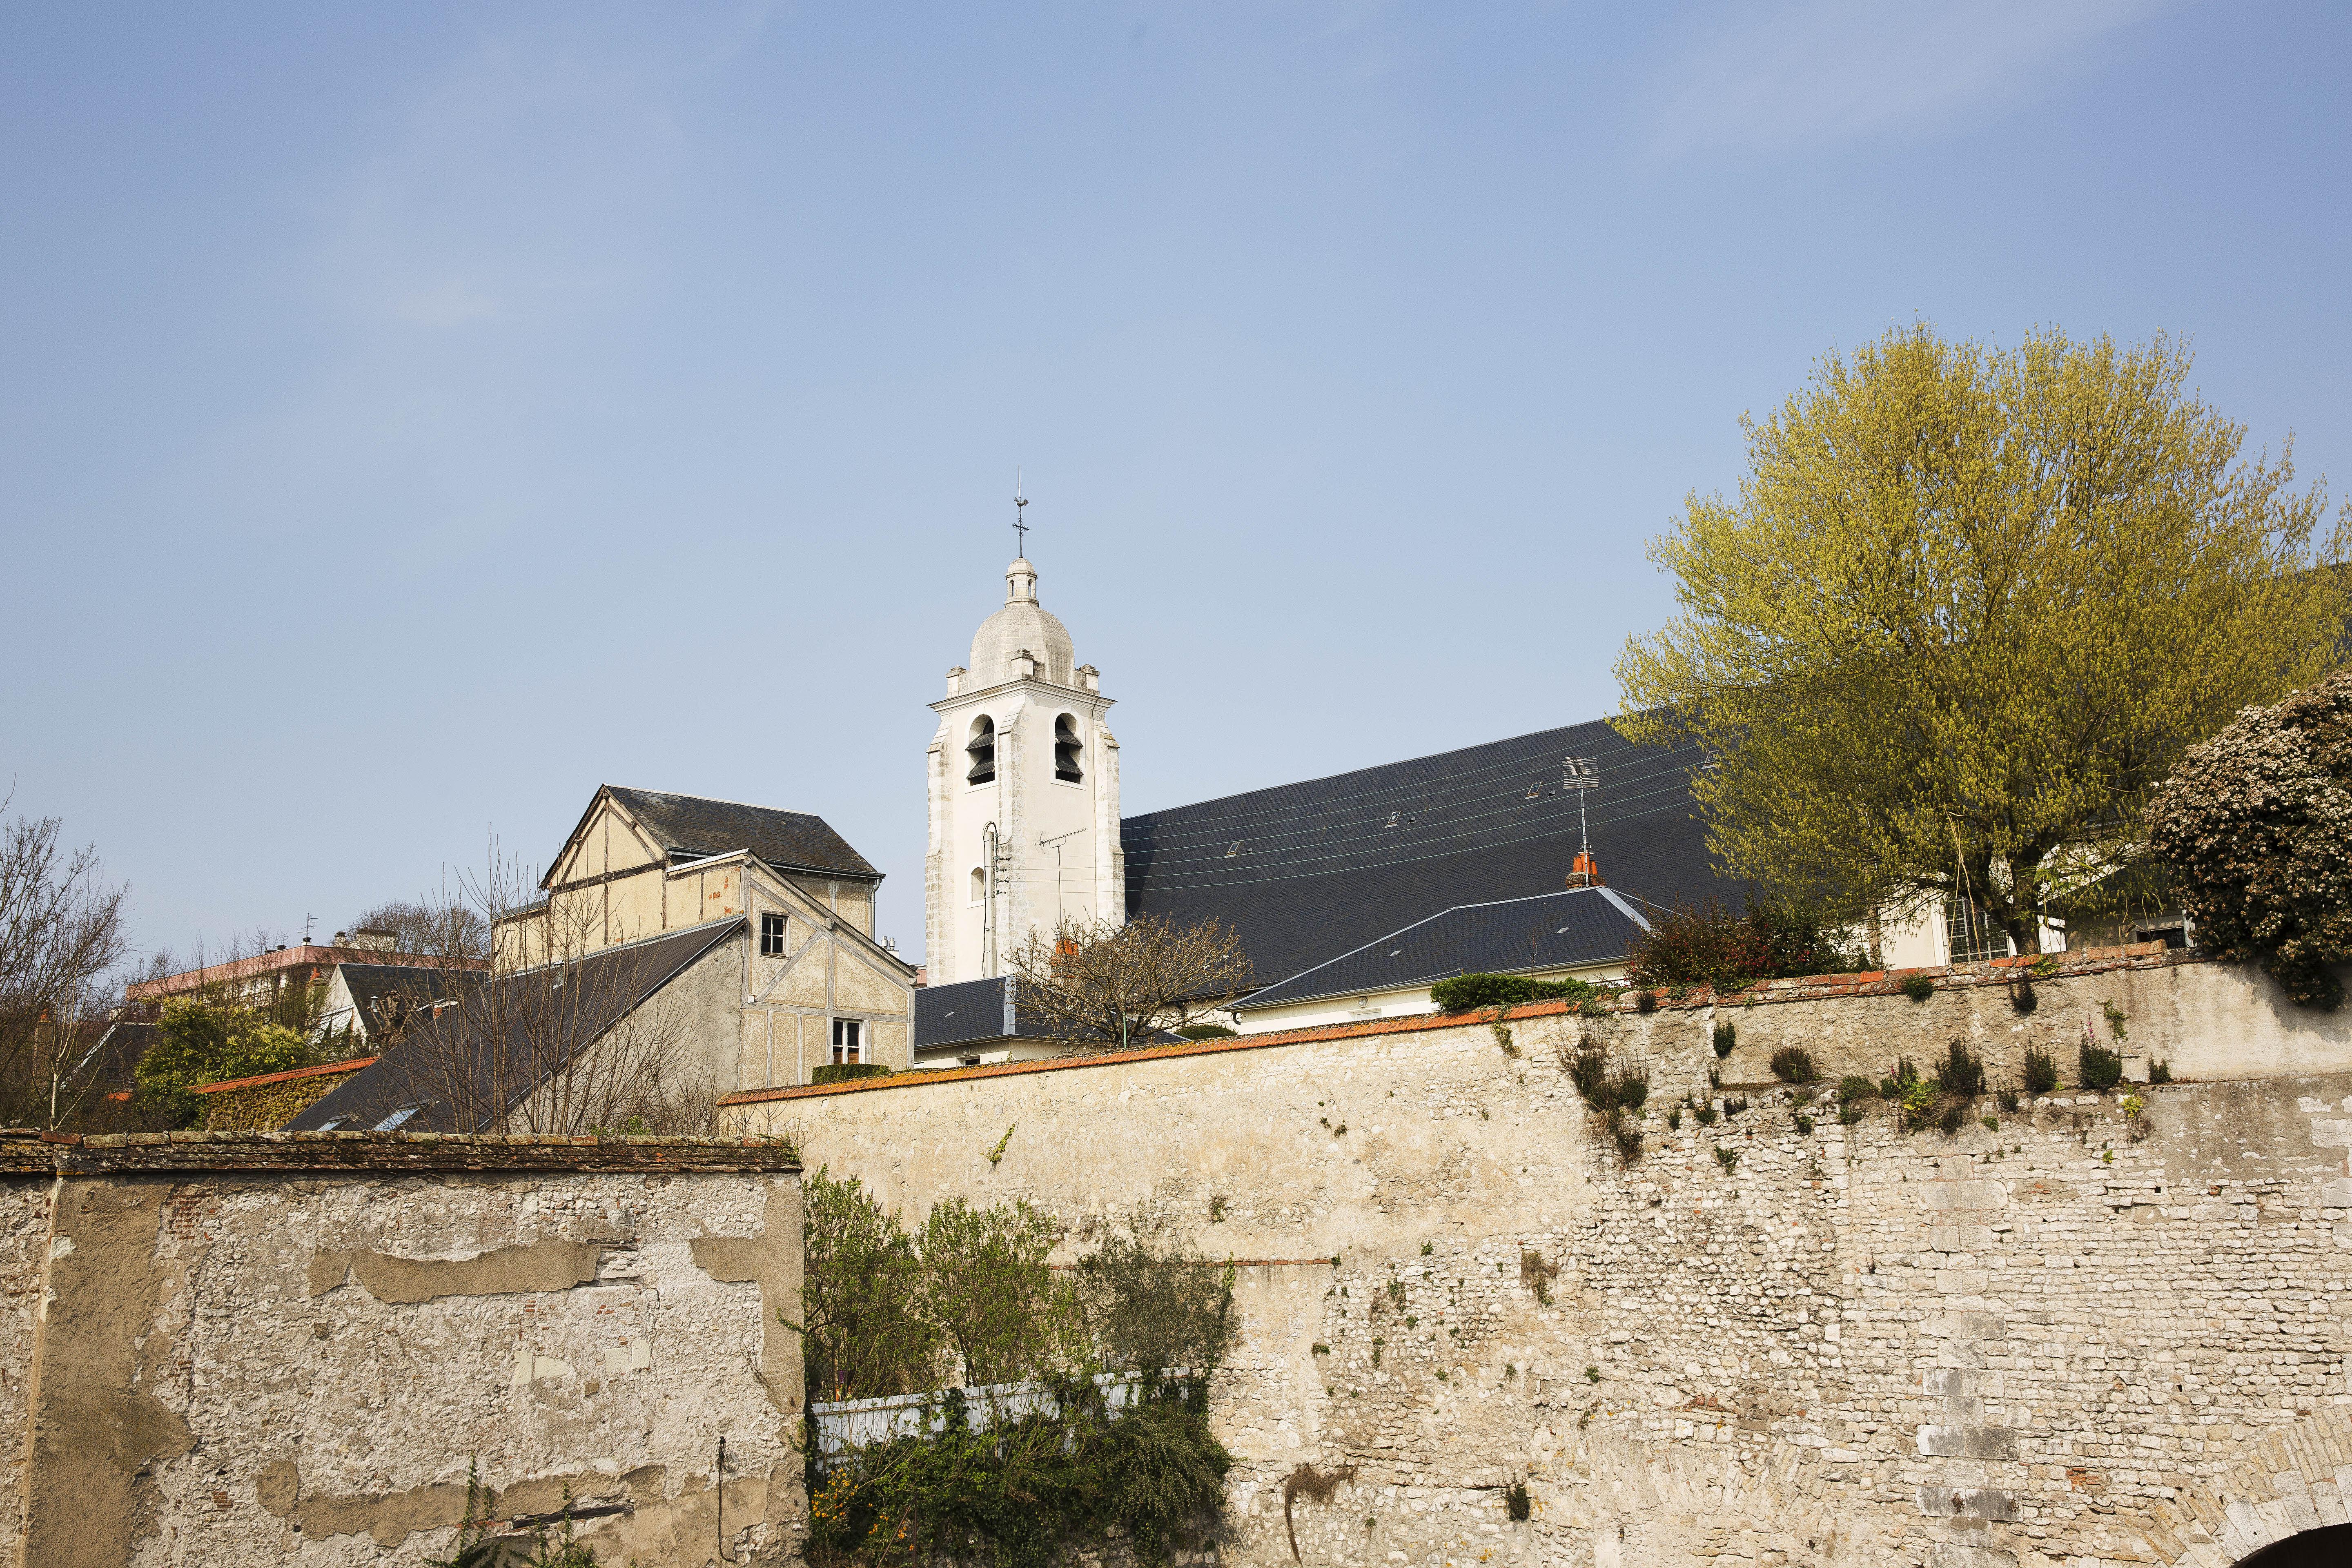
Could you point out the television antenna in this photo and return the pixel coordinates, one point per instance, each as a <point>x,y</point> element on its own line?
<point>1055,844</point>
<point>1581,775</point>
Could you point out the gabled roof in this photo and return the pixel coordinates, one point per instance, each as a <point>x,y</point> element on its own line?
<point>1304,871</point>
<point>376,988</point>
<point>689,826</point>
<point>616,980</point>
<point>1566,930</point>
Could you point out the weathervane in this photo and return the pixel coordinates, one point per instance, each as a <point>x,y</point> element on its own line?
<point>1020,524</point>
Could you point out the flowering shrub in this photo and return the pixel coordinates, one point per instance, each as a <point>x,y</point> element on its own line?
<point>2256,829</point>
<point>1709,945</point>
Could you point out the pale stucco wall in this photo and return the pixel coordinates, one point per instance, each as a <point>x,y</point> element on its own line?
<point>2048,1341</point>
<point>294,1366</point>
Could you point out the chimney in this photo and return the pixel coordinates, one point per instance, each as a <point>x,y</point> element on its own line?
<point>1586,872</point>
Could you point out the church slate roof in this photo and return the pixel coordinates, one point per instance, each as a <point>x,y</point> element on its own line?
<point>1304,872</point>
<point>788,840</point>
<point>1552,930</point>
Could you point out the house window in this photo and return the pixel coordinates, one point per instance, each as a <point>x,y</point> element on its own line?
<point>981,749</point>
<point>771,936</point>
<point>1973,936</point>
<point>1067,751</point>
<point>845,1040</point>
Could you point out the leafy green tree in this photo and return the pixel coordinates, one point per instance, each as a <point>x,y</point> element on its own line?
<point>862,1332</point>
<point>2256,830</point>
<point>1968,609</point>
<point>202,1041</point>
<point>991,1295</point>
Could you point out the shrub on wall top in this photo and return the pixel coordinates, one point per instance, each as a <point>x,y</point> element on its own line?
<point>1709,945</point>
<point>842,1072</point>
<point>2256,829</point>
<point>1475,993</point>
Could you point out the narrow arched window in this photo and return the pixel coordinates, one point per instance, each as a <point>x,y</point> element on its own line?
<point>981,748</point>
<point>1067,751</point>
<point>978,884</point>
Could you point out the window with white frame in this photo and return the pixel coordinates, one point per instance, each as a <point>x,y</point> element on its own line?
<point>847,1039</point>
<point>771,936</point>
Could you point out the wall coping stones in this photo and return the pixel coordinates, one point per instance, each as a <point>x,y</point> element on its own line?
<point>1807,988</point>
<point>72,1155</point>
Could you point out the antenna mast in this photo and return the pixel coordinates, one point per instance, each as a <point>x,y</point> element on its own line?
<point>1582,775</point>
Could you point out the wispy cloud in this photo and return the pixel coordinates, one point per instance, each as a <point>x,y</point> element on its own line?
<point>1773,77</point>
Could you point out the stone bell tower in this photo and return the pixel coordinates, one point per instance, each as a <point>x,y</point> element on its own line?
<point>1023,794</point>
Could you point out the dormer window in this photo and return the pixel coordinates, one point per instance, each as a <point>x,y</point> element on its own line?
<point>981,749</point>
<point>1067,751</point>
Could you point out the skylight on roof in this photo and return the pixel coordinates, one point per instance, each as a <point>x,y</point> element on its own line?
<point>397,1118</point>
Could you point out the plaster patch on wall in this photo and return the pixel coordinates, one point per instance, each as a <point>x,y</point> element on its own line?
<point>500,1271</point>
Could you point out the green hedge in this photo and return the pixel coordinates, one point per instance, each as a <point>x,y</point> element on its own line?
<point>842,1072</point>
<point>1470,992</point>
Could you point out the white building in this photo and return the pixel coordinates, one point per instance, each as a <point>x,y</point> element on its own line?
<point>1025,828</point>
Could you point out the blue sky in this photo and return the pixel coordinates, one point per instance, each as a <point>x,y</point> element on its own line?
<point>416,415</point>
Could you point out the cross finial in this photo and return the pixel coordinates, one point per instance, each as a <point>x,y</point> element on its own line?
<point>1021,525</point>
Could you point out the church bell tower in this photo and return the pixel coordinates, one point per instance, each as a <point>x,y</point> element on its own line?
<point>1023,794</point>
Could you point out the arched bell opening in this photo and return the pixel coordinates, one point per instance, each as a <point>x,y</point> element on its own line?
<point>1068,751</point>
<point>2330,1546</point>
<point>981,749</point>
<point>978,884</point>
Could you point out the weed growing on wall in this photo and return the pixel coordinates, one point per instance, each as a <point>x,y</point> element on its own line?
<point>2098,1068</point>
<point>1727,1036</point>
<point>2041,1070</point>
<point>1794,1064</point>
<point>1615,1090</point>
<point>1961,1072</point>
<point>1919,987</point>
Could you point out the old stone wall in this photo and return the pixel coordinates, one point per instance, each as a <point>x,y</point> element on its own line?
<point>2070,1336</point>
<point>287,1348</point>
<point>26,1180</point>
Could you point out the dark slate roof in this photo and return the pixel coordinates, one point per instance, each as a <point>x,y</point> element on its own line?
<point>614,981</point>
<point>967,1011</point>
<point>1304,872</point>
<point>692,826</point>
<point>1552,930</point>
<point>377,988</point>
<point>971,1011</point>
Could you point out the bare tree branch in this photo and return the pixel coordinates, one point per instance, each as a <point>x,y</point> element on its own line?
<point>1103,985</point>
<point>60,935</point>
<point>569,1045</point>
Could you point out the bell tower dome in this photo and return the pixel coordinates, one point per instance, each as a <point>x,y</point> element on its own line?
<point>1023,794</point>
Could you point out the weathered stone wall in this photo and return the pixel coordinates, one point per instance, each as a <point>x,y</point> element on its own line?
<point>2066,1338</point>
<point>26,1180</point>
<point>265,1349</point>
